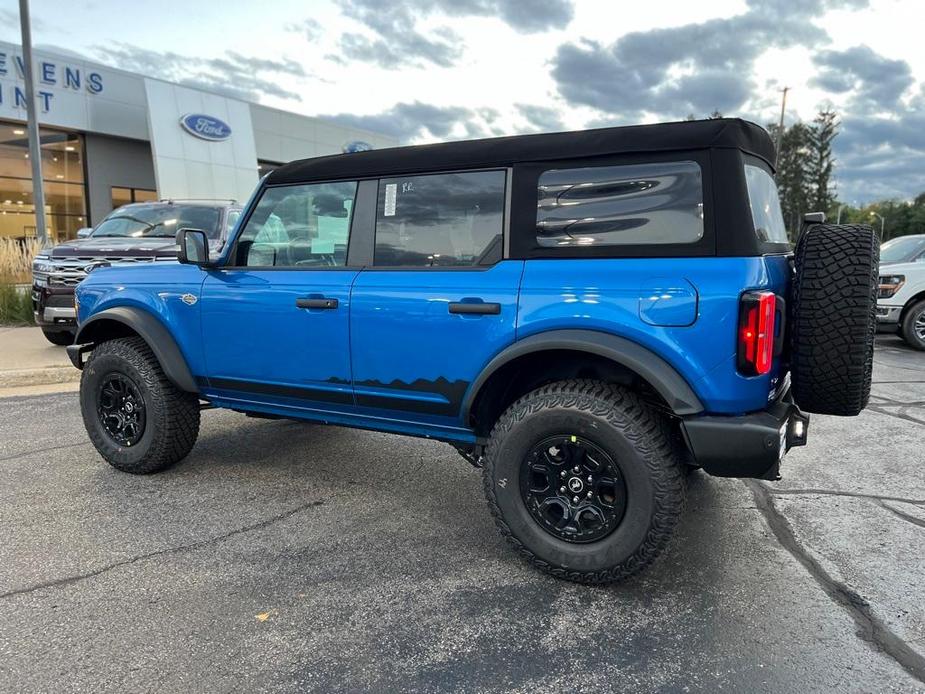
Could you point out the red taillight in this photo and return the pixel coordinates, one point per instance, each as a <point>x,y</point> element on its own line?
<point>756,332</point>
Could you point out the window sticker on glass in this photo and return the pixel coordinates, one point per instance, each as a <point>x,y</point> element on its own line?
<point>391,189</point>
<point>322,246</point>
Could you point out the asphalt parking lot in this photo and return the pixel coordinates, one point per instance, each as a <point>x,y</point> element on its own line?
<point>291,557</point>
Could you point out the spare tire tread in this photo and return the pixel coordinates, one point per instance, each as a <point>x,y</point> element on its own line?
<point>834,318</point>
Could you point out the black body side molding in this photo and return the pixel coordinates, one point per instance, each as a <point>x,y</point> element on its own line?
<point>150,329</point>
<point>662,376</point>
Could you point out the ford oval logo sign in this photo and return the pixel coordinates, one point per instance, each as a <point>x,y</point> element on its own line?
<point>357,146</point>
<point>206,127</point>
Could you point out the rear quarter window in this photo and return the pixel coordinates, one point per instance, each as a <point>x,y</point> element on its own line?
<point>765,205</point>
<point>635,204</point>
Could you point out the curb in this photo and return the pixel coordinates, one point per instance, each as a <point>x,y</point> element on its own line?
<point>14,378</point>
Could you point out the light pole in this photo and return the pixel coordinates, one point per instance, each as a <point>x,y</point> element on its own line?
<point>882,222</point>
<point>35,145</point>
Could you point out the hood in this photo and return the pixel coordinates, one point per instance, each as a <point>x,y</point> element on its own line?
<point>115,246</point>
<point>903,268</point>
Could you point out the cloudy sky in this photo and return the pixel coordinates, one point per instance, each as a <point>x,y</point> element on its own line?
<point>428,70</point>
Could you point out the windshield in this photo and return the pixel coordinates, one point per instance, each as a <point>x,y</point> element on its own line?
<point>159,221</point>
<point>902,250</point>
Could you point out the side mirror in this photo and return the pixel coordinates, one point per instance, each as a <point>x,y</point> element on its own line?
<point>193,247</point>
<point>84,232</point>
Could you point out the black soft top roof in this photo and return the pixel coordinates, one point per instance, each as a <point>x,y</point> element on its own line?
<point>725,133</point>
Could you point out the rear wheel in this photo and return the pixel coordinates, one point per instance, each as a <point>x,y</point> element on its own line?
<point>913,327</point>
<point>137,419</point>
<point>584,480</point>
<point>59,337</point>
<point>834,318</point>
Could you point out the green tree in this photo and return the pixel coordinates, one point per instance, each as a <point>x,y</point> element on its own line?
<point>821,135</point>
<point>794,180</point>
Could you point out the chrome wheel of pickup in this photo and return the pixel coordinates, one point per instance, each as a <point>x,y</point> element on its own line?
<point>573,489</point>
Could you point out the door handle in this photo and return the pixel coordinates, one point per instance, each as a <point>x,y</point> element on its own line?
<point>316,303</point>
<point>474,308</point>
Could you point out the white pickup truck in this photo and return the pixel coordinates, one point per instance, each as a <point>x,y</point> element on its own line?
<point>901,296</point>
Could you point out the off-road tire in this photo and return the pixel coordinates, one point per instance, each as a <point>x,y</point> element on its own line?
<point>833,318</point>
<point>61,338</point>
<point>637,437</point>
<point>907,330</point>
<point>171,415</point>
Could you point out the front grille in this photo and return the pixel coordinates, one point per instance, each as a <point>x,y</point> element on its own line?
<point>70,271</point>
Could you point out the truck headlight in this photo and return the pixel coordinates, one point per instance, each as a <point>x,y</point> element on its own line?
<point>889,285</point>
<point>42,266</point>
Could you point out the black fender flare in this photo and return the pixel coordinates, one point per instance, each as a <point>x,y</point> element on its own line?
<point>151,330</point>
<point>661,375</point>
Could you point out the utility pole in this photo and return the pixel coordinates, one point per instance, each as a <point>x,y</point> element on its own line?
<point>780,126</point>
<point>35,145</point>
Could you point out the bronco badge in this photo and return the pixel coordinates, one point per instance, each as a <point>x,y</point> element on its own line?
<point>189,299</point>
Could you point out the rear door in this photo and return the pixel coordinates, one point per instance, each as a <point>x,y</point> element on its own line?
<point>439,300</point>
<point>275,319</point>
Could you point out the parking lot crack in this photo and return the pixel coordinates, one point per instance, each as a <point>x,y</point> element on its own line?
<point>904,516</point>
<point>68,580</point>
<point>870,628</point>
<point>835,492</point>
<point>23,454</point>
<point>897,415</point>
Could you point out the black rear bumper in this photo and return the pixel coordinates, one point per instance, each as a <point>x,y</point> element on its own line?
<point>750,445</point>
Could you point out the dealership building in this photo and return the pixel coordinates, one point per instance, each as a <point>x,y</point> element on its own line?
<point>110,137</point>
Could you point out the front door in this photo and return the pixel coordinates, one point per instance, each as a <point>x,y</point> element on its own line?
<point>438,301</point>
<point>275,319</point>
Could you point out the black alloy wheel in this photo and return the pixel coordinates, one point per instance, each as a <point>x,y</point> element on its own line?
<point>573,489</point>
<point>121,409</point>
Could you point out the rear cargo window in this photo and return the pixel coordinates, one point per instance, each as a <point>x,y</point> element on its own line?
<point>765,204</point>
<point>635,204</point>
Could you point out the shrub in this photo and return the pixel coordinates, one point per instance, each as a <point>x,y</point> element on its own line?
<point>15,305</point>
<point>16,260</point>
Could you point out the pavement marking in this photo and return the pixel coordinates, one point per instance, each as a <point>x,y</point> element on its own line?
<point>870,628</point>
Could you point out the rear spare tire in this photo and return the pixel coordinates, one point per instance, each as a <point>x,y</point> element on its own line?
<point>834,318</point>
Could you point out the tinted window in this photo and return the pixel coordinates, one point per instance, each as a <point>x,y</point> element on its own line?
<point>765,204</point>
<point>441,220</point>
<point>139,221</point>
<point>597,206</point>
<point>299,226</point>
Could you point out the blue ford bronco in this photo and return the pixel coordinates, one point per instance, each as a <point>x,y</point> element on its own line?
<point>586,316</point>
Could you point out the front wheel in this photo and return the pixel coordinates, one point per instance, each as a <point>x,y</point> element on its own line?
<point>913,327</point>
<point>137,419</point>
<point>585,480</point>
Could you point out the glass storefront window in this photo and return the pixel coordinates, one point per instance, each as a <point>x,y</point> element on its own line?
<point>126,196</point>
<point>63,174</point>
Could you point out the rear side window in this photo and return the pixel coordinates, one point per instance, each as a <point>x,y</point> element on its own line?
<point>765,204</point>
<point>634,204</point>
<point>440,220</point>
